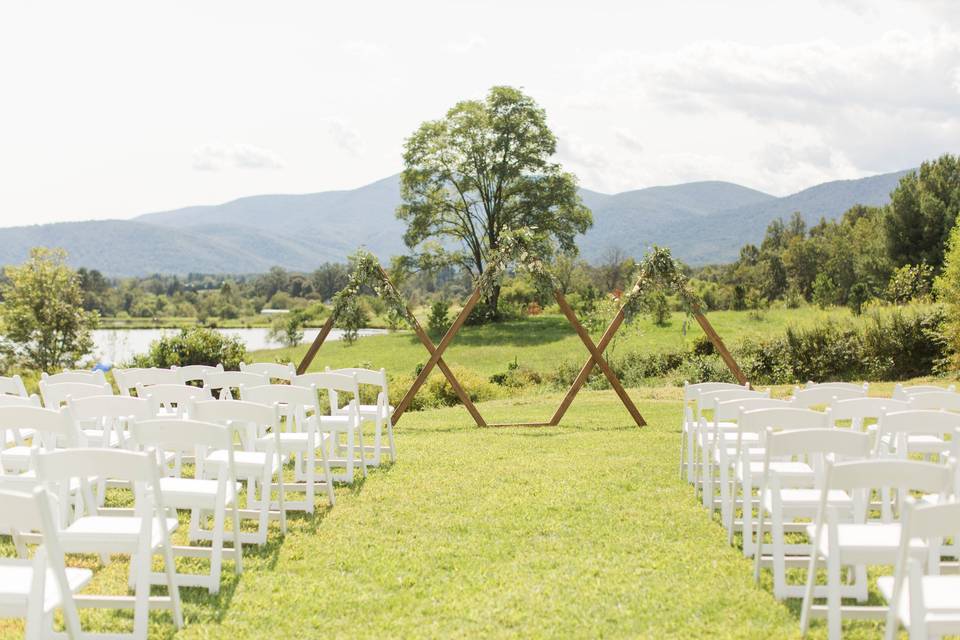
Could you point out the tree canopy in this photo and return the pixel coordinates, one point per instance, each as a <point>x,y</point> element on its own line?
<point>480,172</point>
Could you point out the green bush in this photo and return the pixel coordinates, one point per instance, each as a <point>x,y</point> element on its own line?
<point>194,346</point>
<point>439,320</point>
<point>517,376</point>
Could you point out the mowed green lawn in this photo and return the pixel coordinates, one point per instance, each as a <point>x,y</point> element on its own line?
<point>541,342</point>
<point>582,530</point>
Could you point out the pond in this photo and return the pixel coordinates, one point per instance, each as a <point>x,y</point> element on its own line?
<point>119,345</point>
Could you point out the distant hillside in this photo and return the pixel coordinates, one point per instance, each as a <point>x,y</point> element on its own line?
<point>702,222</point>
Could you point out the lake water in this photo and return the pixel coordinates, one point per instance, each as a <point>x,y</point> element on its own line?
<point>119,345</point>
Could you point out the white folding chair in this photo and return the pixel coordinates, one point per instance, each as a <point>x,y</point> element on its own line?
<point>223,383</point>
<point>213,489</point>
<point>17,436</point>
<point>691,418</point>
<point>380,413</point>
<point>54,395</point>
<point>172,400</point>
<point>859,410</point>
<point>901,392</point>
<point>141,535</point>
<point>342,420</point>
<point>195,372</point>
<point>786,500</point>
<point>128,379</point>
<point>926,603</point>
<point>722,453</point>
<point>748,458</point>
<point>708,430</point>
<point>299,436</point>
<point>915,431</point>
<point>12,386</point>
<point>103,419</point>
<point>866,541</point>
<point>52,428</point>
<point>823,394</point>
<point>273,370</point>
<point>34,588</point>
<point>259,461</point>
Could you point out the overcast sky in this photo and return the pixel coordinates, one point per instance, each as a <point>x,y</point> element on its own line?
<point>111,109</point>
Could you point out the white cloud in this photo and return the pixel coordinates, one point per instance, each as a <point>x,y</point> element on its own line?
<point>345,138</point>
<point>471,44</point>
<point>215,156</point>
<point>628,140</point>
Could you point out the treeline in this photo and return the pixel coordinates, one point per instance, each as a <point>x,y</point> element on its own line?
<point>892,253</point>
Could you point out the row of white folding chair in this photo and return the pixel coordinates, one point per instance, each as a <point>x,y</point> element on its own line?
<point>380,412</point>
<point>129,379</point>
<point>901,392</point>
<point>80,526</point>
<point>690,419</point>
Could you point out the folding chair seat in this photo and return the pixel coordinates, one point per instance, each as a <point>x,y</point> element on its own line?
<point>259,460</point>
<point>865,541</point>
<point>34,588</point>
<point>213,490</point>
<point>142,535</point>
<point>784,502</point>
<point>272,370</point>
<point>299,436</point>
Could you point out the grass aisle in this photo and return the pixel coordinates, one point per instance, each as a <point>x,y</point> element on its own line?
<point>581,531</point>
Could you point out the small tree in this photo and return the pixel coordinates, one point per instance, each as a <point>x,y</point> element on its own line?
<point>351,318</point>
<point>439,320</point>
<point>287,329</point>
<point>910,282</point>
<point>194,346</point>
<point>658,307</point>
<point>44,323</point>
<point>825,291</point>
<point>858,296</point>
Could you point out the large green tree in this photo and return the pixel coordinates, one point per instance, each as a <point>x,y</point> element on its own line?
<point>44,323</point>
<point>922,211</point>
<point>483,170</point>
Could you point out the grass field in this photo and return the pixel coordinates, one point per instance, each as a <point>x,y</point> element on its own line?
<point>579,531</point>
<point>540,342</point>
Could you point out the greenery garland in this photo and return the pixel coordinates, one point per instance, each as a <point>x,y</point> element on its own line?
<point>517,248</point>
<point>658,269</point>
<point>367,272</point>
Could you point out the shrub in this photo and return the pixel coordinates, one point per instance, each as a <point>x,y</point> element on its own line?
<point>910,282</point>
<point>517,377</point>
<point>858,296</point>
<point>351,319</point>
<point>194,346</point>
<point>825,291</point>
<point>439,320</point>
<point>658,308</point>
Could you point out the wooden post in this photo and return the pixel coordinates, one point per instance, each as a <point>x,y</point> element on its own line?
<point>317,342</point>
<point>721,348</point>
<point>597,357</point>
<point>435,356</point>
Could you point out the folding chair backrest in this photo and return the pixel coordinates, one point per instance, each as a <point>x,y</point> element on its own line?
<point>782,419</point>
<point>113,407</point>
<point>195,372</point>
<point>269,394</point>
<point>730,409</point>
<point>945,400</point>
<point>825,395</point>
<point>859,409</point>
<point>128,379</point>
<point>706,399</point>
<point>56,394</point>
<point>116,464</point>
<point>692,391</point>
<point>174,434</point>
<point>850,386</point>
<point>89,377</point>
<point>224,411</point>
<point>901,392</point>
<point>364,376</point>
<point>908,475</point>
<point>172,396</point>
<point>919,421</point>
<point>272,370</point>
<point>333,383</point>
<point>228,380</point>
<point>20,401</point>
<point>51,424</point>
<point>842,442</point>
<point>12,385</point>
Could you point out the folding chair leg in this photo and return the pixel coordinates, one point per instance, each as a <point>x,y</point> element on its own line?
<point>141,591</point>
<point>834,613</point>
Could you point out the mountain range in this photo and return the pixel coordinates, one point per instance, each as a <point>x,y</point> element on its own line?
<point>701,222</point>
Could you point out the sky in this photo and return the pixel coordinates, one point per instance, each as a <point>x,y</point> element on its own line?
<point>111,109</point>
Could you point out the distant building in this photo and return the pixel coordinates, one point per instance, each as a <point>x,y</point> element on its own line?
<point>273,312</point>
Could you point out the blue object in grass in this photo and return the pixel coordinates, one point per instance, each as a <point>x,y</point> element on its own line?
<point>103,366</point>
